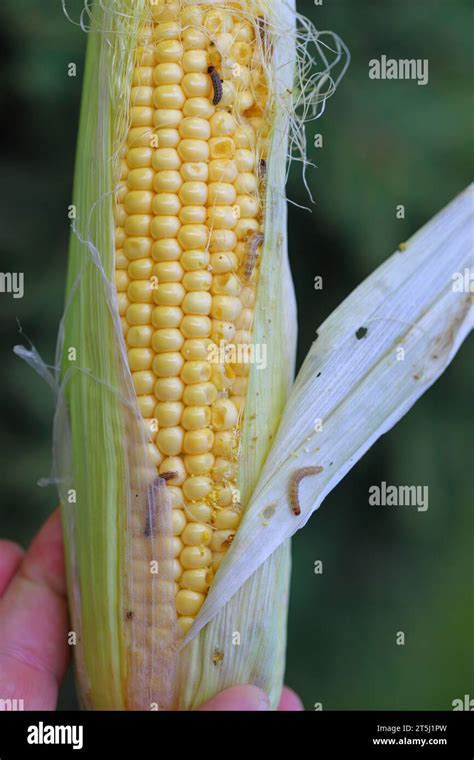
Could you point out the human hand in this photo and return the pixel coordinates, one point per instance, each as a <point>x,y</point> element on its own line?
<point>34,624</point>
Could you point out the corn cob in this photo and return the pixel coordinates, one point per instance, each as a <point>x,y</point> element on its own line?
<point>188,205</point>
<point>158,436</point>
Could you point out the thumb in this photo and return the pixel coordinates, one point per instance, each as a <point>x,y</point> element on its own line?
<point>248,698</point>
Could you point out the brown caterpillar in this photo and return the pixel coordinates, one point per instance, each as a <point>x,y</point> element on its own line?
<point>254,242</point>
<point>217,83</point>
<point>295,481</point>
<point>262,169</point>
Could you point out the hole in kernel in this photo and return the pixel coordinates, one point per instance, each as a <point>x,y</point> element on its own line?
<point>215,59</point>
<point>242,53</point>
<point>224,148</point>
<point>255,110</point>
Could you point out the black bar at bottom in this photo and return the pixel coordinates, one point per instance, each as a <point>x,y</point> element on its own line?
<point>309,734</point>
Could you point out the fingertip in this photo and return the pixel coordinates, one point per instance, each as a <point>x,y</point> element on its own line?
<point>44,561</point>
<point>239,698</point>
<point>11,555</point>
<point>34,621</point>
<point>290,701</point>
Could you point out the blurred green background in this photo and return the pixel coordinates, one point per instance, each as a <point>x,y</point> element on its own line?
<point>384,143</point>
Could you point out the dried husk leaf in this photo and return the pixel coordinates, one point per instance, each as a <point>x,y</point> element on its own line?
<point>356,384</point>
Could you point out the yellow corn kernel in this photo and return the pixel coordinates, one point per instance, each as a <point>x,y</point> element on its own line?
<point>169,50</point>
<point>193,215</point>
<point>222,240</point>
<point>198,441</point>
<point>169,294</point>
<point>193,557</point>
<point>121,280</point>
<point>168,365</point>
<point>193,39</point>
<point>222,193</point>
<point>226,519</point>
<point>194,150</point>
<point>185,624</point>
<point>224,414</point>
<point>166,250</point>
<point>196,349</point>
<point>196,372</point>
<point>169,413</point>
<point>198,106</point>
<point>196,534</point>
<point>192,236</point>
<point>195,61</point>
<point>166,340</point>
<point>223,262</point>
<point>147,406</point>
<point>200,394</point>
<point>188,603</point>
<point>166,10</point>
<point>199,512</point>
<point>165,118</point>
<point>170,441</point>
<point>194,260</point>
<point>226,308</point>
<point>140,359</point>
<point>176,494</point>
<point>166,316</point>
<point>139,314</point>
<point>169,389</point>
<point>197,488</point>
<point>140,291</point>
<point>144,382</point>
<point>224,444</point>
<point>196,580</point>
<point>141,116</point>
<point>179,521</point>
<point>195,171</point>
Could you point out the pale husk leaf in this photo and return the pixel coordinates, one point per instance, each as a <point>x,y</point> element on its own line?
<point>356,384</point>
